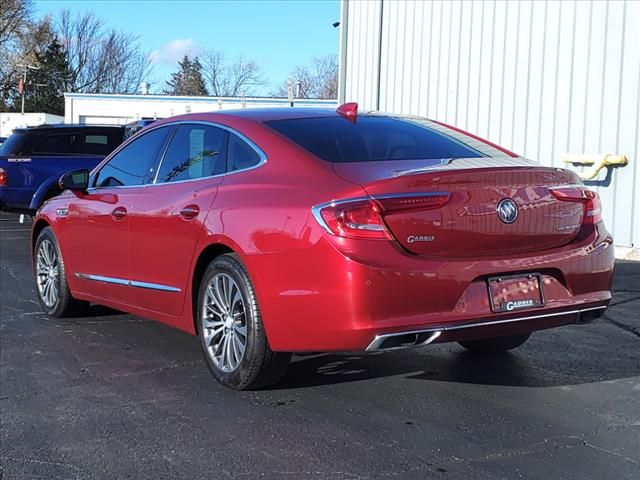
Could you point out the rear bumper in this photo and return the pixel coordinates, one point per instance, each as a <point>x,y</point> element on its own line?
<point>483,329</point>
<point>340,297</point>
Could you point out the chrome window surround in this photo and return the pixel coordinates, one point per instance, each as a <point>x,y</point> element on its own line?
<point>127,283</point>
<point>232,131</point>
<point>316,209</point>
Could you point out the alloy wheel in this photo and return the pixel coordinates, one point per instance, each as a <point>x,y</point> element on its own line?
<point>224,322</point>
<point>48,273</point>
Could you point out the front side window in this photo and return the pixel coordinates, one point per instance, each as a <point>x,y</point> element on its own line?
<point>241,154</point>
<point>196,151</point>
<point>134,164</point>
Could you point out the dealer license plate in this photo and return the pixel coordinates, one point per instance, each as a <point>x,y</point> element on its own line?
<point>515,292</point>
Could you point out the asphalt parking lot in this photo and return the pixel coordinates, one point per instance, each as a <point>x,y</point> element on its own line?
<point>114,396</point>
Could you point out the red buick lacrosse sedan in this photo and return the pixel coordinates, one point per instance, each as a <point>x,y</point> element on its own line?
<point>268,232</point>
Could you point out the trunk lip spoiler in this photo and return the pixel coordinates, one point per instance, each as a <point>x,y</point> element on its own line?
<point>448,164</point>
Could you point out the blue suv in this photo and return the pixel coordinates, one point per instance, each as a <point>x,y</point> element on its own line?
<point>33,159</point>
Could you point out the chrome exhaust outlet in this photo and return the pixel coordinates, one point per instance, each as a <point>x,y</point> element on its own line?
<point>418,338</point>
<point>397,341</point>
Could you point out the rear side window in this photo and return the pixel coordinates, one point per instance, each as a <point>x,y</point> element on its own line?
<point>241,154</point>
<point>370,138</point>
<point>196,151</point>
<point>134,164</point>
<point>78,143</point>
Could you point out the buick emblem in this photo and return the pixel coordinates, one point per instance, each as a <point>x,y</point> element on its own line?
<point>507,210</point>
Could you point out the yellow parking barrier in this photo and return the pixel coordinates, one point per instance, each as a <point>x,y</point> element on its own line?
<point>597,162</point>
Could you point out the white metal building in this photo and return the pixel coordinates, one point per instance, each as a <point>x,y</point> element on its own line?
<point>9,121</point>
<point>121,109</point>
<point>542,78</point>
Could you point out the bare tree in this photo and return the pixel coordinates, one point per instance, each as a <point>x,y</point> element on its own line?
<point>319,79</point>
<point>21,40</point>
<point>230,79</point>
<point>100,60</point>
<point>14,16</point>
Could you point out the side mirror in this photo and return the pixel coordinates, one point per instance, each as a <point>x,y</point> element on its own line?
<point>78,180</point>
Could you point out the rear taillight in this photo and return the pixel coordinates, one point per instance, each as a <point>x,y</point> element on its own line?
<point>578,193</point>
<point>352,219</point>
<point>3,177</point>
<point>413,201</point>
<point>363,217</point>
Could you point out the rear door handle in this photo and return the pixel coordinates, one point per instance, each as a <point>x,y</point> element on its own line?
<point>119,213</point>
<point>190,212</point>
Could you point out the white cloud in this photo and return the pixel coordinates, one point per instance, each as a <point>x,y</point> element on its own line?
<point>172,52</point>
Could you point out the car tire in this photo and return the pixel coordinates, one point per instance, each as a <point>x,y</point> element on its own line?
<point>52,288</point>
<point>496,345</point>
<point>232,335</point>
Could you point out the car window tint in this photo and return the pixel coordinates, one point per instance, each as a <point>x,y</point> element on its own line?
<point>13,144</point>
<point>241,154</point>
<point>58,144</point>
<point>134,164</point>
<point>371,138</point>
<point>196,151</point>
<point>78,143</point>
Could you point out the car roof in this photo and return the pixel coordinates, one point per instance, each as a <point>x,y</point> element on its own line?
<point>254,114</point>
<point>281,113</point>
<point>65,126</point>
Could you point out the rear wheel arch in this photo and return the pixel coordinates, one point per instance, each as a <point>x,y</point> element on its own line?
<point>40,225</point>
<point>207,255</point>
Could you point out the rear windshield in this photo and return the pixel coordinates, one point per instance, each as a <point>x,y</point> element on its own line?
<point>11,144</point>
<point>370,138</point>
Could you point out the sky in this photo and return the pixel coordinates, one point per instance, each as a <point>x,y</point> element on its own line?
<point>278,35</point>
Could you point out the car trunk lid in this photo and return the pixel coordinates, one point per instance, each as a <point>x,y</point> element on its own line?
<point>467,223</point>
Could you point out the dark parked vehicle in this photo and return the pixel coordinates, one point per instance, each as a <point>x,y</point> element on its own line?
<point>32,160</point>
<point>134,127</point>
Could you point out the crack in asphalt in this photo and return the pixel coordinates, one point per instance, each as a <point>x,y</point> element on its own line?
<point>622,302</point>
<point>623,326</point>
<point>570,441</point>
<point>43,462</point>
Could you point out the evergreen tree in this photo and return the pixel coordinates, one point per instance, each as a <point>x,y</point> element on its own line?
<point>188,79</point>
<point>46,87</point>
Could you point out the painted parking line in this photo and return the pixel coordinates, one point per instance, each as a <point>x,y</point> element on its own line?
<point>15,230</point>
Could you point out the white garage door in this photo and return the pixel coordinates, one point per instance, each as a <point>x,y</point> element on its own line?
<point>103,120</point>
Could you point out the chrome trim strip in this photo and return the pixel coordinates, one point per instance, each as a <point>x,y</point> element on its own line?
<point>316,209</point>
<point>411,194</point>
<point>126,283</point>
<point>101,278</point>
<point>378,339</point>
<point>153,286</point>
<point>256,148</point>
